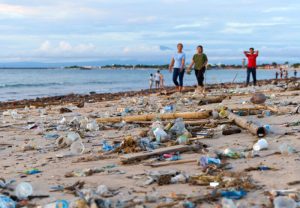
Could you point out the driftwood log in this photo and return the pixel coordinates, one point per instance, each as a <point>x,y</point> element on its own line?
<point>129,158</point>
<point>150,117</point>
<point>244,123</point>
<point>209,100</point>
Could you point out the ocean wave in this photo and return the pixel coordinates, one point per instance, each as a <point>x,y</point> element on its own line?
<point>32,85</point>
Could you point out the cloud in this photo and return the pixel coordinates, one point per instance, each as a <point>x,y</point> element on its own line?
<point>16,11</point>
<point>192,25</point>
<point>47,48</point>
<point>278,9</point>
<point>146,19</point>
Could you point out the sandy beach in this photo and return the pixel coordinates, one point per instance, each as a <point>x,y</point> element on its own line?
<point>29,140</point>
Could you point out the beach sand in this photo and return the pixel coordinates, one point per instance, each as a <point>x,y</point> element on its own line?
<point>45,155</point>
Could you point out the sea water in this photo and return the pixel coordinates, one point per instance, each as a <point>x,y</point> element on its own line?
<point>17,84</point>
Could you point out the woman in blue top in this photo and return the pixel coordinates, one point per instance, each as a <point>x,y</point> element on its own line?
<point>177,66</point>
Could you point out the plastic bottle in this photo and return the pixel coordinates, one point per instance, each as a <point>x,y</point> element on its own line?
<point>6,202</point>
<point>178,127</point>
<point>23,190</point>
<point>284,202</point>
<point>77,148</point>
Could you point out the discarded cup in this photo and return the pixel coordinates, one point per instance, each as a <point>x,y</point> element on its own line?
<point>260,145</point>
<point>23,190</point>
<point>6,202</point>
<point>77,148</point>
<point>72,137</point>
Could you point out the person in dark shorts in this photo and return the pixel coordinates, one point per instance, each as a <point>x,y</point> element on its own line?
<point>251,55</point>
<point>177,66</point>
<point>199,62</point>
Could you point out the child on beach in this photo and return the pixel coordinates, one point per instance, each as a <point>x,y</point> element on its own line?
<point>295,73</point>
<point>157,79</point>
<point>151,80</point>
<point>177,66</point>
<point>200,61</point>
<point>281,73</point>
<point>276,75</point>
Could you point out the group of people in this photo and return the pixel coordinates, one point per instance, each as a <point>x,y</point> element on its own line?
<point>157,79</point>
<point>284,73</point>
<point>199,64</point>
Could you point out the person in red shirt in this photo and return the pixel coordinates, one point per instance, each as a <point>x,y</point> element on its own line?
<point>251,69</point>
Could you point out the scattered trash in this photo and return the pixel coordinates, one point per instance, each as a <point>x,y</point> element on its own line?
<point>65,110</point>
<point>77,148</point>
<point>234,194</point>
<point>258,98</point>
<point>23,190</point>
<point>261,144</point>
<point>286,149</point>
<point>284,202</point>
<point>6,202</point>
<point>205,161</point>
<point>231,130</point>
<point>32,171</point>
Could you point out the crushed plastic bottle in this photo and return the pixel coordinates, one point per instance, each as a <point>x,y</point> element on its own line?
<point>23,190</point>
<point>284,202</point>
<point>6,202</point>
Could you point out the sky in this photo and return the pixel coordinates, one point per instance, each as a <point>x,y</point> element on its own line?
<point>148,31</point>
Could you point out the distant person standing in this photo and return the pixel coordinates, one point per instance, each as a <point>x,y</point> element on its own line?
<point>161,81</point>
<point>157,79</point>
<point>276,75</point>
<point>251,55</point>
<point>199,61</point>
<point>151,81</point>
<point>286,74</point>
<point>281,73</point>
<point>295,73</point>
<point>177,66</point>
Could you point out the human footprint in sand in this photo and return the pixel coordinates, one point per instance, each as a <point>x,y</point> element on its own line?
<point>199,61</point>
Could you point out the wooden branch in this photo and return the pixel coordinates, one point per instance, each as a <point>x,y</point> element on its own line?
<point>150,117</point>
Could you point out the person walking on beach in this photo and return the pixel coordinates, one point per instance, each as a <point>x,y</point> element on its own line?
<point>199,61</point>
<point>251,55</point>
<point>276,75</point>
<point>151,81</point>
<point>281,73</point>
<point>295,73</point>
<point>177,66</point>
<point>157,79</point>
